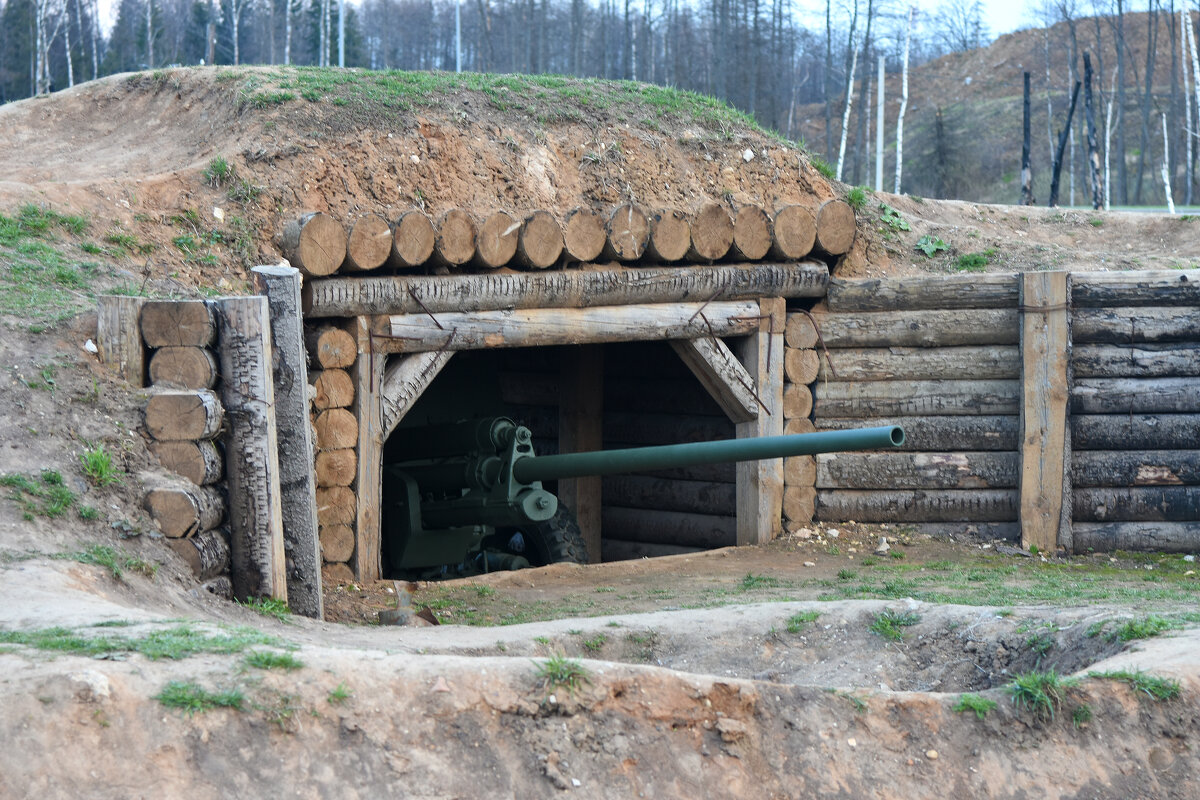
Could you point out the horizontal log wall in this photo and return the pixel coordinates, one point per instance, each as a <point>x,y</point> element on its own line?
<point>941,356</point>
<point>1135,425</point>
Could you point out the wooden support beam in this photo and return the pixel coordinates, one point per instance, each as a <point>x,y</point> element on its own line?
<point>760,483</point>
<point>1157,537</point>
<point>405,378</point>
<point>281,285</point>
<point>580,428</point>
<point>721,374</point>
<point>543,327</point>
<point>916,398</point>
<point>576,288</point>
<point>992,362</point>
<point>954,470</point>
<point>368,483</point>
<point>1167,287</point>
<point>920,505</point>
<point>933,292</point>
<point>119,337</point>
<point>1135,396</point>
<point>252,449</point>
<point>912,328</point>
<point>1045,487</point>
<point>940,434</point>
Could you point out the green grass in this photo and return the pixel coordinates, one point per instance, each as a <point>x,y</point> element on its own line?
<point>822,166</point>
<point>1151,686</point>
<point>1043,693</point>
<point>596,643</point>
<point>977,703</point>
<point>752,582</point>
<point>114,560</point>
<point>98,466</point>
<point>45,496</point>
<point>219,172</point>
<point>192,697</point>
<point>39,283</point>
<point>974,262</point>
<point>891,217</point>
<point>560,672</point>
<point>1145,628</point>
<point>244,192</point>
<point>266,659</point>
<point>796,622</point>
<point>891,624</point>
<point>856,198</point>
<point>339,694</point>
<point>175,643</point>
<point>930,245</point>
<point>268,607</point>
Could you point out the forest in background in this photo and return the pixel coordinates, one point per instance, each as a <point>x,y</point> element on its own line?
<point>792,66</point>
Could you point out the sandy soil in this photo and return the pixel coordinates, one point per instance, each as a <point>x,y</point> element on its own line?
<point>713,701</point>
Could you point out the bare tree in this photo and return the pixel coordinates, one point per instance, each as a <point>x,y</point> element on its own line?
<point>849,92</point>
<point>912,10</point>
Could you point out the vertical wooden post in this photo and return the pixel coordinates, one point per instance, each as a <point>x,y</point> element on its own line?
<point>251,448</point>
<point>1045,444</point>
<point>119,336</point>
<point>281,285</point>
<point>760,483</point>
<point>368,378</point>
<point>580,427</point>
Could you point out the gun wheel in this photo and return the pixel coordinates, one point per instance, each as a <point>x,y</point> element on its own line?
<point>555,540</point>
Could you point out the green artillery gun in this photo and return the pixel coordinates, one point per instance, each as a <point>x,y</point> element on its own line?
<point>468,498</point>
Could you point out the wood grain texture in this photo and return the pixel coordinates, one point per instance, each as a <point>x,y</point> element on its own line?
<point>540,241</point>
<point>119,337</point>
<point>995,362</point>
<point>915,398</point>
<point>795,232</point>
<point>1134,431</point>
<point>1141,537</point>
<point>1136,288</point>
<point>721,374</point>
<point>315,244</point>
<point>183,368</point>
<point>200,462</point>
<point>913,328</point>
<point>892,505</point>
<point>583,234</point>
<point>1176,360</point>
<point>760,483</point>
<point>413,239</point>
<point>206,553</point>
<point>1135,396</point>
<point>940,434</point>
<point>178,323</point>
<point>1134,325</point>
<point>173,416</point>
<point>935,292</point>
<point>368,245</point>
<point>836,227</point>
<point>1135,467</point>
<point>580,429</point>
<point>951,470</point>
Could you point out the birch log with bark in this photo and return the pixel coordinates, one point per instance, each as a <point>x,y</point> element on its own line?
<point>1134,431</point>
<point>183,367</point>
<point>931,293</point>
<point>920,329</point>
<point>252,447</point>
<point>1089,111</point>
<point>206,553</point>
<point>940,433</point>
<point>903,101</point>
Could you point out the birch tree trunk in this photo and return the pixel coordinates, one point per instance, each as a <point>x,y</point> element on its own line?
<point>1166,169</point>
<point>903,100</point>
<point>846,113</point>
<point>1195,82</point>
<point>287,32</point>
<point>1188,134</point>
<point>879,128</point>
<point>150,34</point>
<point>67,48</point>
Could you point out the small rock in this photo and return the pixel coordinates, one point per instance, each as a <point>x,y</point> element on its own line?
<point>931,755</point>
<point>576,782</point>
<point>852,742</point>
<point>747,155</point>
<point>1190,572</point>
<point>810,563</point>
<point>833,534</point>
<point>440,685</point>
<point>883,547</point>
<point>1187,558</point>
<point>218,214</point>
<point>731,730</point>
<point>90,346</point>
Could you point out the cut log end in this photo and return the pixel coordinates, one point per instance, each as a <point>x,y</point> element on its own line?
<point>583,235</point>
<point>712,233</point>
<point>334,389</point>
<point>173,416</point>
<point>369,244</point>
<point>177,323</point>
<point>413,240</point>
<point>800,331</point>
<point>199,462</point>
<point>336,429</point>
<point>315,244</point>
<point>795,233</point>
<point>540,243</point>
<point>627,232</point>
<point>183,368</point>
<point>751,233</point>
<point>496,241</point>
<point>181,510</point>
<point>330,347</point>
<point>670,235</point>
<point>337,543</point>
<point>336,505</point>
<point>835,227</point>
<point>455,242</point>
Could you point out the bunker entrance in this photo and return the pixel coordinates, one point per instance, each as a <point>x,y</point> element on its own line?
<point>571,399</point>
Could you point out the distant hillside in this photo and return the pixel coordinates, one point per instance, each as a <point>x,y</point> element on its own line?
<point>963,125</point>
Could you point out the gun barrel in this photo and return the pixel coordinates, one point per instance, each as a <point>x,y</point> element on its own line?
<point>642,459</point>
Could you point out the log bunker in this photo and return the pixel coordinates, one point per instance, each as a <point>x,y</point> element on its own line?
<point>1054,409</point>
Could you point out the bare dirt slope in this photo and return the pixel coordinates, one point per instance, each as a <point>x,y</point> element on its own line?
<point>785,693</point>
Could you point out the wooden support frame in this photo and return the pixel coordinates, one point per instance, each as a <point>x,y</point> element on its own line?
<point>1045,487</point>
<point>760,483</point>
<point>580,428</point>
<point>720,372</point>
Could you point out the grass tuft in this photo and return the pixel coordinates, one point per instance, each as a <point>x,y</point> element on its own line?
<point>752,581</point>
<point>265,659</point>
<point>560,672</point>
<point>1041,692</point>
<point>98,466</point>
<point>890,624</point>
<point>192,697</point>
<point>1141,629</point>
<point>1152,686</point>
<point>268,607</point>
<point>219,172</point>
<point>973,702</point>
<point>116,561</point>
<point>856,198</point>
<point>339,694</point>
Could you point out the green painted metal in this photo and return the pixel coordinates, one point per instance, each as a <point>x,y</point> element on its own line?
<point>642,459</point>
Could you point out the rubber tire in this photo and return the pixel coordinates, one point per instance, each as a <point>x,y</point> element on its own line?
<point>555,540</point>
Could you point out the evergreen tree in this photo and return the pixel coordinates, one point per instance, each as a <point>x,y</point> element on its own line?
<point>16,50</point>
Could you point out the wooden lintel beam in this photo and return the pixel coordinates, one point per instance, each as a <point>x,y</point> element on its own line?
<point>721,374</point>
<point>594,285</point>
<point>542,327</point>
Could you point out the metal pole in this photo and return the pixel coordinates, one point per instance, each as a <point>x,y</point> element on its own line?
<point>458,36</point>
